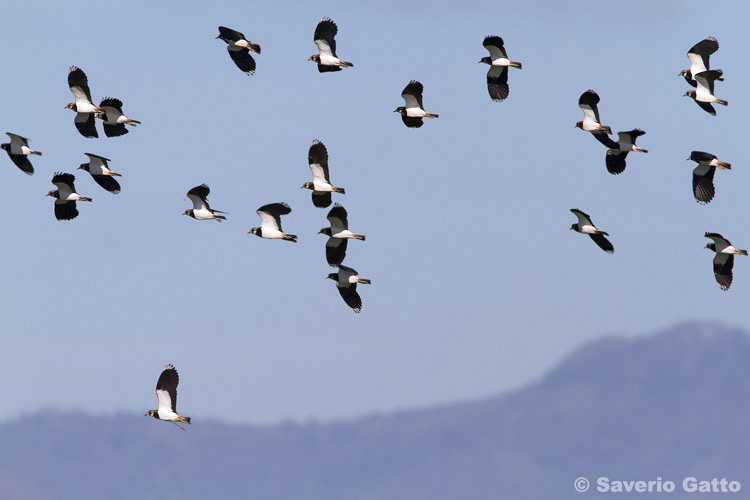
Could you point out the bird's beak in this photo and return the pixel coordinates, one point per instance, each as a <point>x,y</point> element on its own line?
<point>217,37</point>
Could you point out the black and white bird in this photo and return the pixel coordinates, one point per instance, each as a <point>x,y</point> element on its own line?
<point>201,210</point>
<point>698,56</point>
<point>166,394</point>
<point>338,235</point>
<point>85,119</point>
<point>324,38</point>
<point>591,122</point>
<point>497,76</point>
<point>317,158</point>
<point>346,282</point>
<point>413,112</point>
<point>270,222</point>
<point>100,172</point>
<point>703,95</point>
<point>239,49</point>
<point>724,259</point>
<point>615,157</point>
<point>65,196</point>
<point>703,175</point>
<point>586,226</point>
<point>114,120</point>
<point>18,150</point>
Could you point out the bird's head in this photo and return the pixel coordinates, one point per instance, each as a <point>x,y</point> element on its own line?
<point>684,72</point>
<point>71,105</point>
<point>315,58</point>
<point>690,93</point>
<point>255,231</point>
<point>486,60</point>
<point>188,212</point>
<point>54,193</point>
<point>579,125</point>
<point>400,110</point>
<point>4,146</point>
<point>220,38</point>
<point>307,185</point>
<point>84,166</point>
<point>326,231</point>
<point>152,413</point>
<point>711,246</point>
<point>573,226</point>
<point>333,276</point>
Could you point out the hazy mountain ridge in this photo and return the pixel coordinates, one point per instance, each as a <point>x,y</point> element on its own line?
<point>669,405</point>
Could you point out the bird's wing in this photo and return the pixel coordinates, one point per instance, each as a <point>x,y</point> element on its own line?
<point>115,130</point>
<point>703,183</point>
<point>199,196</point>
<point>22,162</point>
<point>588,104</point>
<point>317,158</point>
<point>615,161</point>
<point>96,160</point>
<point>412,94</point>
<point>412,122</point>
<point>351,297</point>
<point>337,216</point>
<point>166,389</point>
<point>109,183</point>
<point>17,139</point>
<point>604,138</point>
<point>336,251</point>
<point>701,156</point>
<point>497,83</point>
<point>65,210</point>
<point>111,102</point>
<point>243,60</point>
<point>496,47</point>
<point>603,243</point>
<point>699,54</point>
<point>723,264</point>
<point>231,34</point>
<point>64,182</point>
<point>583,217</point>
<point>79,85</point>
<point>324,37</point>
<point>270,215</point>
<point>321,199</point>
<point>720,241</point>
<point>86,124</point>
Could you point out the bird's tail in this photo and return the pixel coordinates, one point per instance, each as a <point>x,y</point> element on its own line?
<point>219,218</point>
<point>115,174</point>
<point>290,237</point>
<point>347,64</point>
<point>359,237</point>
<point>364,281</point>
<point>32,152</point>
<point>741,252</point>
<point>605,129</point>
<point>254,47</point>
<point>133,122</point>
<point>602,233</point>
<point>431,115</point>
<point>724,165</point>
<point>83,198</point>
<point>641,149</point>
<point>723,103</point>
<point>180,418</point>
<point>516,64</point>
<point>339,190</point>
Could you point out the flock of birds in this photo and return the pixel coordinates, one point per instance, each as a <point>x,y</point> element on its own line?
<point>110,112</point>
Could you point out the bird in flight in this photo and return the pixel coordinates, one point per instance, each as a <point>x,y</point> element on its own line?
<point>18,150</point>
<point>85,120</point>
<point>703,175</point>
<point>324,38</point>
<point>65,196</point>
<point>201,210</point>
<point>586,226</point>
<point>591,122</point>
<point>166,394</point>
<point>703,95</point>
<point>724,259</point>
<point>114,120</point>
<point>698,56</point>
<point>413,112</point>
<point>270,222</point>
<point>317,158</point>
<point>497,76</point>
<point>239,49</point>
<point>615,158</point>
<point>338,235</point>
<point>100,172</point>
<point>346,282</point>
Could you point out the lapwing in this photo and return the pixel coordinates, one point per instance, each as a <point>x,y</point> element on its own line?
<point>698,56</point>
<point>497,76</point>
<point>615,157</point>
<point>201,210</point>
<point>65,196</point>
<point>703,95</point>
<point>270,222</point>
<point>346,281</point>
<point>324,38</point>
<point>724,259</point>
<point>338,235</point>
<point>413,112</point>
<point>114,120</point>
<point>166,394</point>
<point>239,49</point>
<point>586,226</point>
<point>703,175</point>
<point>85,120</point>
<point>18,150</point>
<point>591,122</point>
<point>100,172</point>
<point>317,158</point>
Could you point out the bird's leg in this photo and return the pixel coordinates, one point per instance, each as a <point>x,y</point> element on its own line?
<point>181,427</point>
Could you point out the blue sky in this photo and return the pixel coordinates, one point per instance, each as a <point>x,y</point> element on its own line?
<point>478,285</point>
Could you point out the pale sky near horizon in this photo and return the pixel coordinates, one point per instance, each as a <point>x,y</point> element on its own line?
<point>478,286</point>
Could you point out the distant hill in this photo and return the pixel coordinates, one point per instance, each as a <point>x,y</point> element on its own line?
<point>671,405</point>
